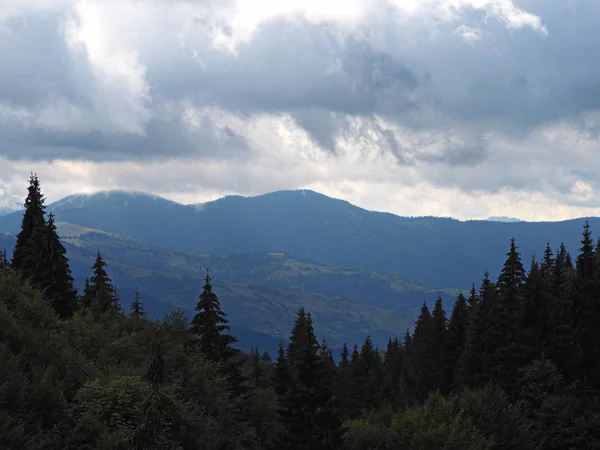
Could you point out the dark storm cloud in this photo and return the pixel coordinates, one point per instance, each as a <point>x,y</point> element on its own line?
<point>444,92</point>
<point>37,65</point>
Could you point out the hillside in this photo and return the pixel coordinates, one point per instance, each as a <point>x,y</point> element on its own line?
<point>306,225</point>
<point>260,293</point>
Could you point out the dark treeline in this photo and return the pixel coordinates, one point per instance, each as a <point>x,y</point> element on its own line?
<point>515,365</point>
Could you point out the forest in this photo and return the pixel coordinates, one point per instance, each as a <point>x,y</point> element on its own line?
<point>514,365</point>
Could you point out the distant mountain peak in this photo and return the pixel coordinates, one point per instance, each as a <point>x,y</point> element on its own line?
<point>116,196</point>
<point>503,219</point>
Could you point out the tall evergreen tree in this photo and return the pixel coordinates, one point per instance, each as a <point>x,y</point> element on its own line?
<point>505,320</point>
<point>439,325</point>
<point>25,252</point>
<point>50,269</point>
<point>456,338</point>
<point>548,262</point>
<point>479,354</point>
<point>586,258</point>
<point>137,307</point>
<point>301,401</point>
<point>99,294</point>
<point>512,277</point>
<point>328,417</point>
<point>281,374</point>
<point>211,326</point>
<point>421,349</point>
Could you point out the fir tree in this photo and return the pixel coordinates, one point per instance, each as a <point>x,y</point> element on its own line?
<point>421,351</point>
<point>479,354</point>
<point>99,293</point>
<point>210,325</point>
<point>548,262</point>
<point>26,251</point>
<point>512,277</point>
<point>51,271</point>
<point>473,299</point>
<point>456,338</point>
<point>281,374</point>
<point>137,307</point>
<point>327,418</point>
<point>301,400</point>
<point>438,341</point>
<point>586,258</point>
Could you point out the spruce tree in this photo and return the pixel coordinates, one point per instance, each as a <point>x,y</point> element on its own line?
<point>327,418</point>
<point>137,307</point>
<point>99,295</point>
<point>421,351</point>
<point>548,262</point>
<point>281,374</point>
<point>301,400</point>
<point>371,371</point>
<point>26,251</point>
<point>438,340</point>
<point>479,354</point>
<point>456,338</point>
<point>51,271</point>
<point>512,277</point>
<point>473,299</point>
<point>211,326</point>
<point>586,258</point>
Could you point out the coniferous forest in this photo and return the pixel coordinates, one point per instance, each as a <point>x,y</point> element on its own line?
<point>514,365</point>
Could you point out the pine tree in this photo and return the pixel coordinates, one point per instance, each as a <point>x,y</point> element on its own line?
<point>99,293</point>
<point>548,262</point>
<point>301,401</point>
<point>25,255</point>
<point>421,351</point>
<point>586,258</point>
<point>512,277</point>
<point>479,354</point>
<point>50,269</point>
<point>210,325</point>
<point>456,338</point>
<point>393,364</point>
<point>281,374</point>
<point>438,341</point>
<point>371,372</point>
<point>137,307</point>
<point>328,421</point>
<point>343,387</point>
<point>473,299</point>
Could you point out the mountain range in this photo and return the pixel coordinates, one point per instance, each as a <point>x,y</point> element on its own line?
<point>360,272</point>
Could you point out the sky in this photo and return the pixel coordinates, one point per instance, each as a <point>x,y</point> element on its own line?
<point>461,108</point>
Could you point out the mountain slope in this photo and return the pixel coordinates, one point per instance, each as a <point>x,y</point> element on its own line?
<point>310,226</point>
<point>260,293</point>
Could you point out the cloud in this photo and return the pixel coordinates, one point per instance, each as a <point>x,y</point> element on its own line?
<point>455,102</point>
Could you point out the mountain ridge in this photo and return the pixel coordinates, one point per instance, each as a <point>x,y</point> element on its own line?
<point>307,225</point>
